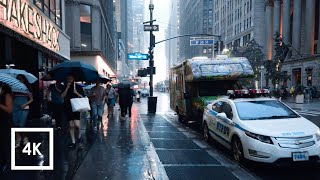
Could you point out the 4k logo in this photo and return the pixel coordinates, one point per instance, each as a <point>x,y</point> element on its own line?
<point>31,148</point>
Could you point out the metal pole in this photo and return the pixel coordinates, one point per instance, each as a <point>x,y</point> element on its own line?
<point>261,78</point>
<point>219,50</point>
<point>151,7</point>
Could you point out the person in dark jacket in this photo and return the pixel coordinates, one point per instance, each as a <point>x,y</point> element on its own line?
<point>6,108</point>
<point>72,90</point>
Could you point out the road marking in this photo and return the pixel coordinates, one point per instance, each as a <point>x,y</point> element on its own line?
<point>193,165</point>
<point>178,149</point>
<point>309,113</point>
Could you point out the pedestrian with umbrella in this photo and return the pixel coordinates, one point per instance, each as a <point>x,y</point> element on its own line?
<point>72,90</point>
<point>21,109</point>
<point>71,71</point>
<point>6,108</point>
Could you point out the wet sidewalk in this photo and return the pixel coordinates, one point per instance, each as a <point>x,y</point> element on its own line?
<point>308,105</point>
<point>148,147</point>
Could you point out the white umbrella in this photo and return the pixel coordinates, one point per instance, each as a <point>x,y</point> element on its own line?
<point>15,84</point>
<point>15,72</point>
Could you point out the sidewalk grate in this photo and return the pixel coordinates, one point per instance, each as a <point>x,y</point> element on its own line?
<point>167,135</point>
<point>174,144</point>
<point>186,157</point>
<point>199,173</point>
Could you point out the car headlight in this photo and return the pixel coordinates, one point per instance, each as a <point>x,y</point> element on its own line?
<point>318,135</point>
<point>262,138</point>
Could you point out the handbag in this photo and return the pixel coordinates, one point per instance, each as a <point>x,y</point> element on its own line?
<point>80,104</point>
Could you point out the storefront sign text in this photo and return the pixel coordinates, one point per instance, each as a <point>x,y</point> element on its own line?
<point>25,19</point>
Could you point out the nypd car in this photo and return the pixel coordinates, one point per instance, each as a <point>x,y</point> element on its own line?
<point>261,129</point>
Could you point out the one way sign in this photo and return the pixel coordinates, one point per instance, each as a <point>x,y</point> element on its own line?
<point>151,27</point>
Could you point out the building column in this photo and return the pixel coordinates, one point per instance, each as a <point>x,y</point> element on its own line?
<point>318,46</point>
<point>259,21</point>
<point>286,22</point>
<point>310,26</point>
<point>269,36</point>
<point>296,26</point>
<point>276,16</point>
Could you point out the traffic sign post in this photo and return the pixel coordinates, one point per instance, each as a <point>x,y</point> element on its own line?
<point>137,56</point>
<point>151,27</point>
<point>201,42</point>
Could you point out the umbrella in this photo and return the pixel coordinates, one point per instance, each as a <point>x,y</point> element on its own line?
<point>15,72</point>
<point>89,87</point>
<point>104,79</point>
<point>14,83</point>
<point>125,84</point>
<point>82,71</point>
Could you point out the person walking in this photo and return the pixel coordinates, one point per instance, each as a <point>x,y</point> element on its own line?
<point>56,103</point>
<point>138,96</point>
<point>124,100</point>
<point>131,97</point>
<point>21,109</point>
<point>97,97</point>
<point>112,95</point>
<point>6,109</point>
<point>72,90</point>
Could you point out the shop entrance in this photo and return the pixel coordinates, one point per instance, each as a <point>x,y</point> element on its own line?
<point>296,76</point>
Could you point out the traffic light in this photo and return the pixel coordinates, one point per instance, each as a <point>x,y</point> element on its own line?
<point>150,53</point>
<point>215,46</point>
<point>221,45</point>
<point>142,73</point>
<point>153,41</point>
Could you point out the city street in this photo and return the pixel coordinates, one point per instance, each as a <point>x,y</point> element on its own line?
<point>159,147</point>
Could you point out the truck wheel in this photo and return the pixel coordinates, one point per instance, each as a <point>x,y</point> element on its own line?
<point>180,117</point>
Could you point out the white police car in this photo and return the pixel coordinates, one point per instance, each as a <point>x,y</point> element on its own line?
<point>261,129</point>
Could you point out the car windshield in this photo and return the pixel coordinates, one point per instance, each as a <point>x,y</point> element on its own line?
<point>264,110</point>
<point>216,88</point>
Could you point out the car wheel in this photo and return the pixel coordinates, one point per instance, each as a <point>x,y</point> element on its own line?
<point>180,118</point>
<point>237,150</point>
<point>206,134</point>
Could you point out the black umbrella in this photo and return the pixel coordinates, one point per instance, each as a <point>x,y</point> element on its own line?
<point>81,71</point>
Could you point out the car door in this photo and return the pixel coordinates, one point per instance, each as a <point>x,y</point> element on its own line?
<point>224,125</point>
<point>212,119</point>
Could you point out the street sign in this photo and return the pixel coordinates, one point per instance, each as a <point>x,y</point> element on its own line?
<point>153,72</point>
<point>137,56</point>
<point>201,42</point>
<point>151,27</point>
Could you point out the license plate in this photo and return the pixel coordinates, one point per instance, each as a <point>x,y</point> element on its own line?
<point>300,156</point>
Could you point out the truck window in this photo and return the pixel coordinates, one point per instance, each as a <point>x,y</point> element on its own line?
<point>216,88</point>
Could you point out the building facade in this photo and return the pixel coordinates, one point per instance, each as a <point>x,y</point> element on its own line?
<point>138,9</point>
<point>239,21</point>
<point>92,29</point>
<point>173,30</point>
<point>34,40</point>
<point>196,17</point>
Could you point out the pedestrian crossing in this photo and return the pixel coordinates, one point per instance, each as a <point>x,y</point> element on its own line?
<point>308,113</point>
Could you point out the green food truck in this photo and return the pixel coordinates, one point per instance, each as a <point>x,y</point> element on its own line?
<point>198,81</point>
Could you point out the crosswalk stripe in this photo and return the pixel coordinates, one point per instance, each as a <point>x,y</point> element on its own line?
<point>309,113</point>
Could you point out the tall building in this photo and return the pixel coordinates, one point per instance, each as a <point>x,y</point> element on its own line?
<point>138,9</point>
<point>172,48</point>
<point>196,17</point>
<point>239,21</point>
<point>34,41</point>
<point>93,39</point>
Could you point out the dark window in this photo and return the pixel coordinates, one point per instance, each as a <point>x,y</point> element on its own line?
<point>217,107</point>
<point>85,27</point>
<point>216,88</point>
<point>51,8</point>
<point>226,108</point>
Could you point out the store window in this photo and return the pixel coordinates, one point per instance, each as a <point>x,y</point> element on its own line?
<point>309,76</point>
<point>296,73</point>
<point>51,8</point>
<point>85,27</point>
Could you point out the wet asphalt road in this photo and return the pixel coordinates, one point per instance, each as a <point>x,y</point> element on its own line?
<point>258,170</point>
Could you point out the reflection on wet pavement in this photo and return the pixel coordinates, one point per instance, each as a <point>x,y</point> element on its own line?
<point>66,160</point>
<point>118,152</point>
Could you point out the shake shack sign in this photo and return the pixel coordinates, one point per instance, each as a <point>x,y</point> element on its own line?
<point>25,19</point>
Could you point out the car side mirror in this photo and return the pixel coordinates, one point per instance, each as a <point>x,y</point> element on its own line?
<point>186,95</point>
<point>222,116</point>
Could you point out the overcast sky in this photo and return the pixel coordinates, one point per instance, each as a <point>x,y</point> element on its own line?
<point>161,14</point>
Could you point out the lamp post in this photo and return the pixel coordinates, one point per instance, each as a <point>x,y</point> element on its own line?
<point>261,68</point>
